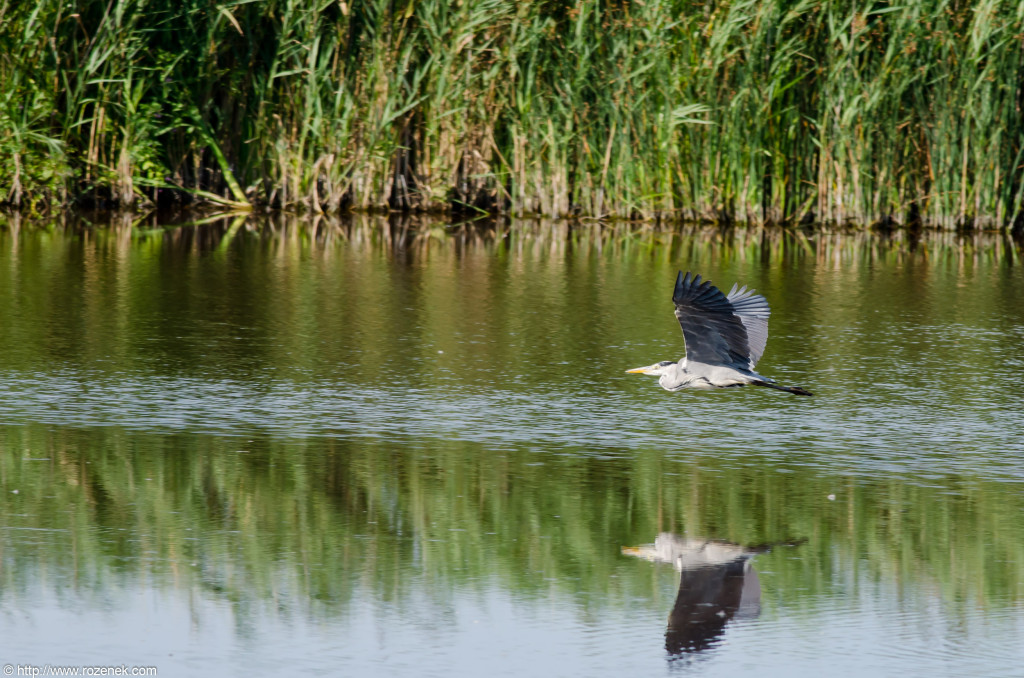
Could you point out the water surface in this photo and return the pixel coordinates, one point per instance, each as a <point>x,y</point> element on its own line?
<point>255,447</point>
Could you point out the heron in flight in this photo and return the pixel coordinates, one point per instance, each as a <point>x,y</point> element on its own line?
<point>725,337</point>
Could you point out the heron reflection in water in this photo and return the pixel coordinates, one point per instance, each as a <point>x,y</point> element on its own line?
<point>716,584</point>
<point>725,337</point>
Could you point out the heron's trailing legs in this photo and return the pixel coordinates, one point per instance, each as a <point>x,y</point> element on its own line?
<point>796,390</point>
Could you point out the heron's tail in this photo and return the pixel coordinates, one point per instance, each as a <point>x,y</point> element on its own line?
<point>795,390</point>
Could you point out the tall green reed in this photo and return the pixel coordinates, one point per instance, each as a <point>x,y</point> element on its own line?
<point>846,110</point>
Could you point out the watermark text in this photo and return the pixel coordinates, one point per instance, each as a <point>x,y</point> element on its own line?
<point>54,670</point>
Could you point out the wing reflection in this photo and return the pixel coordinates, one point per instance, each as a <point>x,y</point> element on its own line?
<point>716,584</point>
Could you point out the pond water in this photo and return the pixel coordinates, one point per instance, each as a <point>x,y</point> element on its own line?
<point>269,446</point>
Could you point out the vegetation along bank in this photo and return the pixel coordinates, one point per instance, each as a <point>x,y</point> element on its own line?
<point>751,110</point>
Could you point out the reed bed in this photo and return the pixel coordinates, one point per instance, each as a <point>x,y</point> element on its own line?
<point>835,111</point>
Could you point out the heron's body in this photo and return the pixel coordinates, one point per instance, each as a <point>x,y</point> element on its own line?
<point>686,374</point>
<point>725,337</point>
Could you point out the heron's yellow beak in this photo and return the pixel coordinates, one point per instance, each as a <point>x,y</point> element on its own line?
<point>638,370</point>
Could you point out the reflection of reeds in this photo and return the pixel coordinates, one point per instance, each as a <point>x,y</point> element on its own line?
<point>418,235</point>
<point>746,110</point>
<point>308,524</point>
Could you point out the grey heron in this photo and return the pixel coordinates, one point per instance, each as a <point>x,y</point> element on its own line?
<point>725,336</point>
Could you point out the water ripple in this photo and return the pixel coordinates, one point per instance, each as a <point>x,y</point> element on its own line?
<point>833,431</point>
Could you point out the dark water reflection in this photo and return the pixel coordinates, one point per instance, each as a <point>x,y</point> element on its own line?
<point>250,447</point>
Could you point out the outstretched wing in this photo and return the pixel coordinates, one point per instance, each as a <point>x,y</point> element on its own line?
<point>718,329</point>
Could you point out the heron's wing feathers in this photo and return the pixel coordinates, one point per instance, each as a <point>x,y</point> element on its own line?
<point>721,330</point>
<point>753,311</point>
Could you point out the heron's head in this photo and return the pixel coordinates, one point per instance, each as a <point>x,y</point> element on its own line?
<point>658,369</point>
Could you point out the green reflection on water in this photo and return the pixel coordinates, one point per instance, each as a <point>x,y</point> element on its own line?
<point>307,524</point>
<point>538,309</point>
